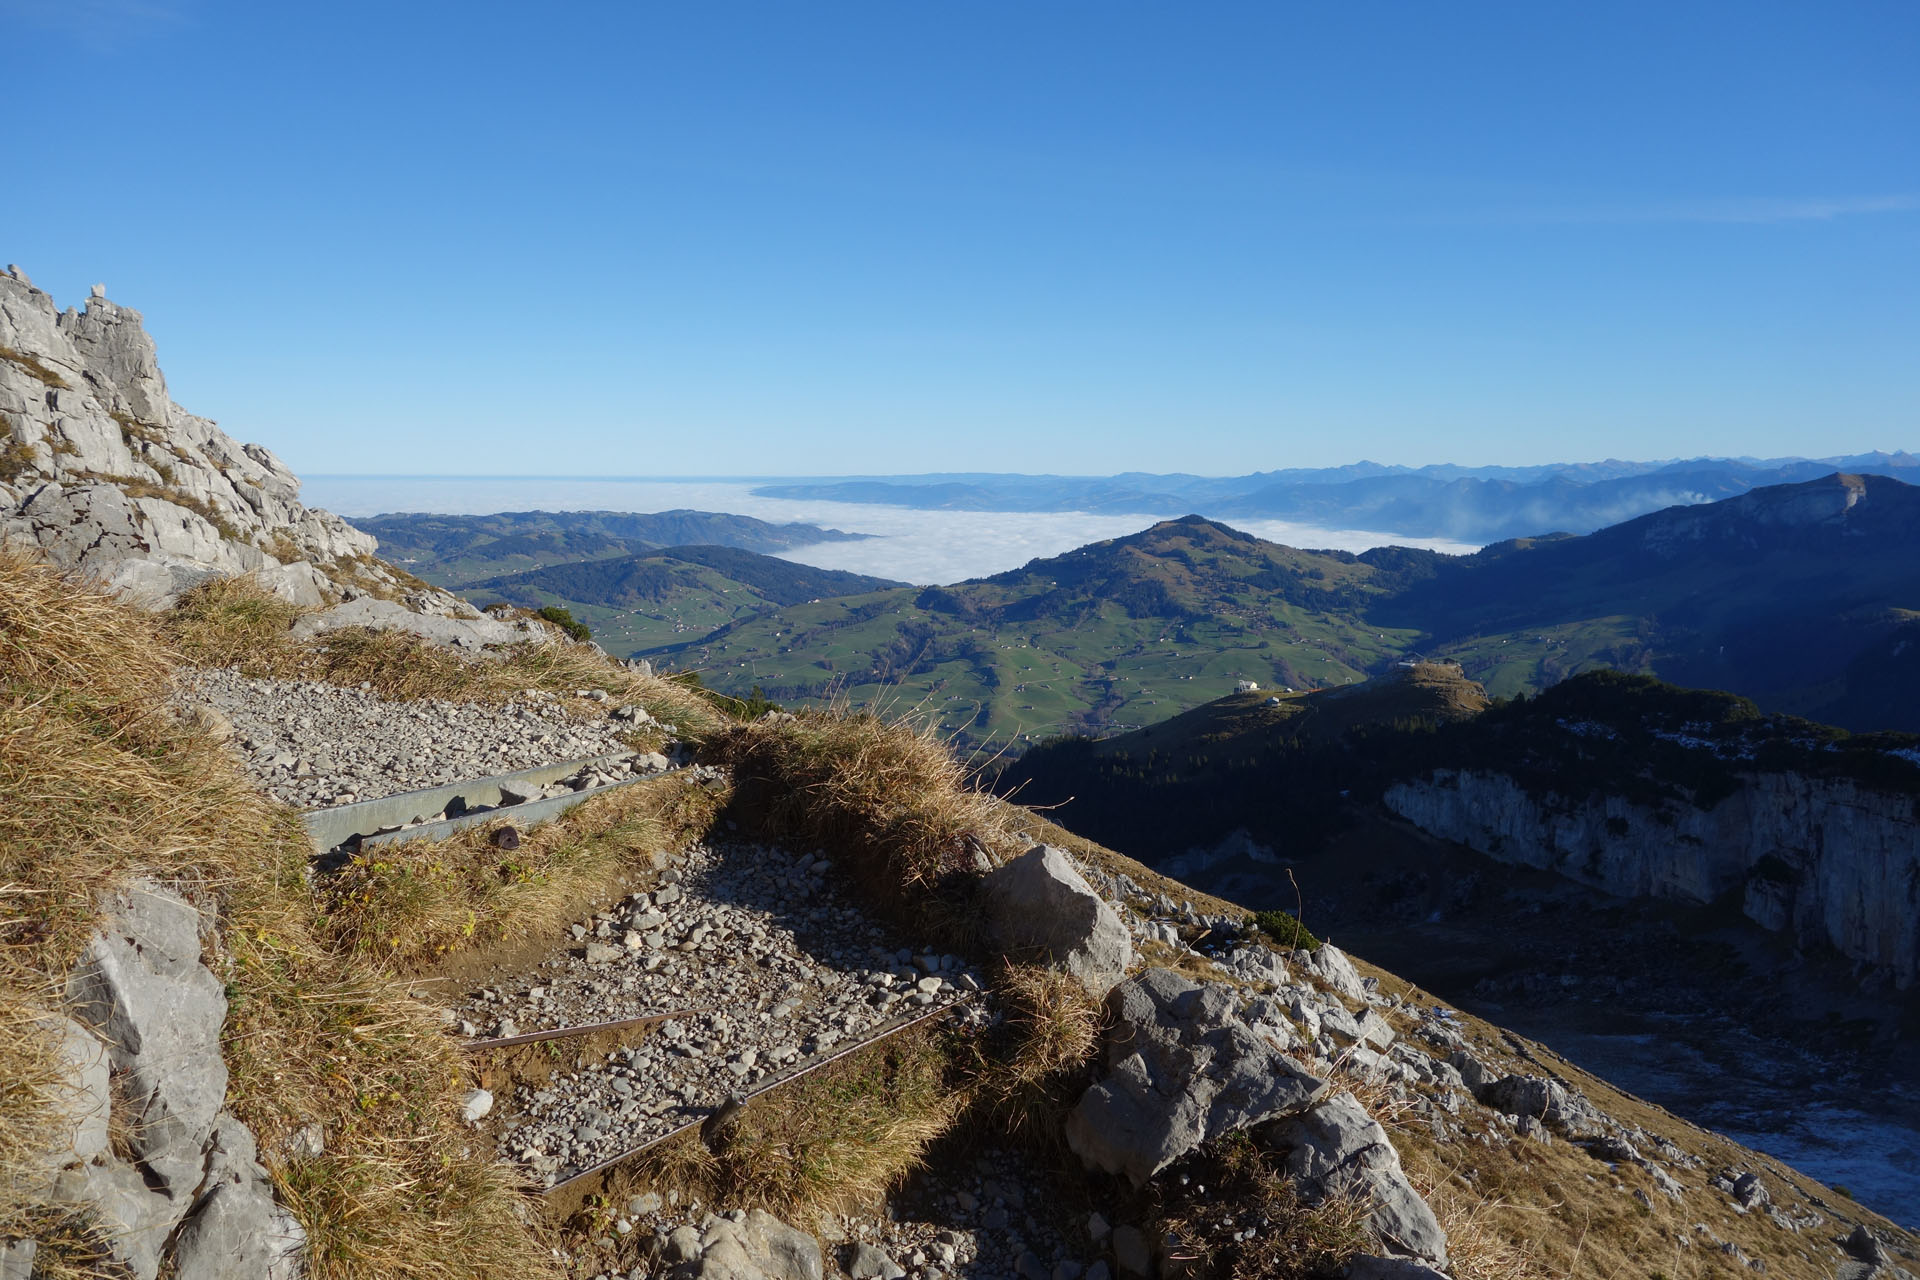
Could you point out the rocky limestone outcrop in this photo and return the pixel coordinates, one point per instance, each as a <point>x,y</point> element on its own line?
<point>183,1192</point>
<point>1182,1068</point>
<point>1338,1149</point>
<point>1828,860</point>
<point>105,474</point>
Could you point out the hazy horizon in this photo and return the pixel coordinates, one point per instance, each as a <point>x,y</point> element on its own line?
<point>922,547</point>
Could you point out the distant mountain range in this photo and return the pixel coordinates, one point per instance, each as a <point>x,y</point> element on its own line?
<point>1805,597</point>
<point>1468,504</point>
<point>453,551</point>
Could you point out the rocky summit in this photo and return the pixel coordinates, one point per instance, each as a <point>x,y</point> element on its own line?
<point>102,471</point>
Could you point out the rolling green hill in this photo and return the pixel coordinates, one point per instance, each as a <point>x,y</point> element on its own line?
<point>635,602</point>
<point>1796,595</point>
<point>455,551</point>
<point>1124,632</point>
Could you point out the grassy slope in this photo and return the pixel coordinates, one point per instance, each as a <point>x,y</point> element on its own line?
<point>1519,1209</point>
<point>636,602</point>
<point>322,1031</point>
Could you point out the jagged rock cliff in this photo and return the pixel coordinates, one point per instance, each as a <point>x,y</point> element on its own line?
<point>106,474</point>
<point>1833,862</point>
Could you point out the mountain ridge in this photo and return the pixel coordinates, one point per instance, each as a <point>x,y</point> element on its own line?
<point>1803,596</point>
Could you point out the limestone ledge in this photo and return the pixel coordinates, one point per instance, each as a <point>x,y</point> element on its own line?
<point>1833,863</point>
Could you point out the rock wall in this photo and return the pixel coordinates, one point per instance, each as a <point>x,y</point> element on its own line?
<point>1832,862</point>
<point>105,473</point>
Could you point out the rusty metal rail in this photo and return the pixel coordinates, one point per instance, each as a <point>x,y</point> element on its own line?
<point>584,1029</point>
<point>567,1185</point>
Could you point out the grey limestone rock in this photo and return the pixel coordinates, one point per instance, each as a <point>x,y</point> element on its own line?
<point>142,986</point>
<point>1330,964</point>
<point>1039,904</point>
<point>755,1246</point>
<point>1548,1101</point>
<point>864,1261</point>
<point>1337,1148</point>
<point>236,1231</point>
<point>1182,1068</point>
<point>83,1093</point>
<point>476,632</point>
<point>192,1199</point>
<point>136,1219</point>
<point>16,1259</point>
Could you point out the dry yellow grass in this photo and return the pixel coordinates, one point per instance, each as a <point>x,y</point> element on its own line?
<point>1052,1030</point>
<point>886,796</point>
<point>101,783</point>
<point>413,904</point>
<point>1239,1185</point>
<point>236,622</point>
<point>833,1142</point>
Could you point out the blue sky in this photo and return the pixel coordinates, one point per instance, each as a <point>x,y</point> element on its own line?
<point>718,239</point>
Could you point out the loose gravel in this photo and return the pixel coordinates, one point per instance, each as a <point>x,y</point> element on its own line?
<point>776,967</point>
<point>313,744</point>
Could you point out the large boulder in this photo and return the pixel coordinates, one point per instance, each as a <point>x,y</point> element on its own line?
<point>1182,1068</point>
<point>1338,1149</point>
<point>1038,905</point>
<point>471,632</point>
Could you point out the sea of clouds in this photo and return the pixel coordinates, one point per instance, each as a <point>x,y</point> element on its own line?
<point>921,547</point>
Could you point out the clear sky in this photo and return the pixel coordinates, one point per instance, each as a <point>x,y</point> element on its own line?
<point>717,239</point>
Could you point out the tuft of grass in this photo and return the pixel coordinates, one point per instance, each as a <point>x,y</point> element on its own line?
<point>413,903</point>
<point>1239,1186</point>
<point>16,456</point>
<point>234,622</point>
<point>833,1142</point>
<point>33,1117</point>
<point>35,366</point>
<point>1050,1034</point>
<point>886,796</point>
<point>1286,930</point>
<point>102,783</point>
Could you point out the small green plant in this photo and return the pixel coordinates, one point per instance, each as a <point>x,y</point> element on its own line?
<point>1285,928</point>
<point>564,619</point>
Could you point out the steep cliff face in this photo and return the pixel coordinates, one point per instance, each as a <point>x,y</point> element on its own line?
<point>104,472</point>
<point>1835,863</point>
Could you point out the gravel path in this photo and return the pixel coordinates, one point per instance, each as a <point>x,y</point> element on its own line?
<point>312,744</point>
<point>777,966</point>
